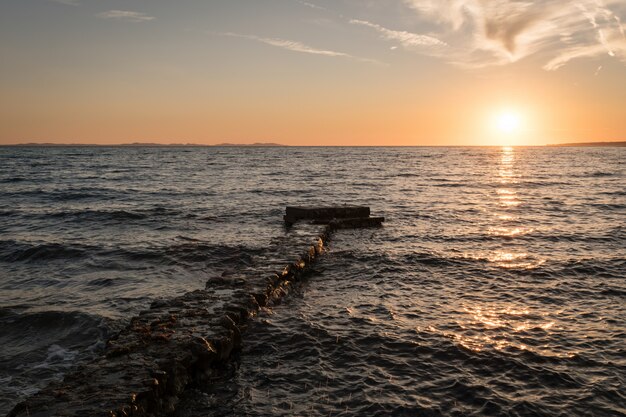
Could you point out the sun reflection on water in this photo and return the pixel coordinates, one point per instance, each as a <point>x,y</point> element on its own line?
<point>507,260</point>
<point>507,219</point>
<point>502,327</point>
<point>509,232</point>
<point>507,196</point>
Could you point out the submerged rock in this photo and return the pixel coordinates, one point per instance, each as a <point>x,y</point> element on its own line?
<point>146,366</point>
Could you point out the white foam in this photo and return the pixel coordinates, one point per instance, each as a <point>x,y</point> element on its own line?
<point>57,355</point>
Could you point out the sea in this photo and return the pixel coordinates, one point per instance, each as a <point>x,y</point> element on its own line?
<point>496,287</point>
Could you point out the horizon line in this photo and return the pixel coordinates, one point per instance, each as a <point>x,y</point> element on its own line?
<point>277,145</point>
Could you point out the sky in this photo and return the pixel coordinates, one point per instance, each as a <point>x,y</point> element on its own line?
<point>314,72</point>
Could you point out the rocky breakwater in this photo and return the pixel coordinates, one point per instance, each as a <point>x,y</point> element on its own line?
<point>147,366</point>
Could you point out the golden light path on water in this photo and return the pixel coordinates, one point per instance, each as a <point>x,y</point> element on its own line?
<point>498,324</point>
<point>506,219</point>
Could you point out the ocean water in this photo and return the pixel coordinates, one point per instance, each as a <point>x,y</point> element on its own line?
<point>496,287</point>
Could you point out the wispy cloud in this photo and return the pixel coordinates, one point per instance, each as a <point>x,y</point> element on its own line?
<point>483,32</point>
<point>297,46</point>
<point>618,49</point>
<point>406,39</point>
<point>311,5</point>
<point>125,15</point>
<point>67,2</point>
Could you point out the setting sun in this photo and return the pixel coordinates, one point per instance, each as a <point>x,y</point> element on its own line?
<point>508,122</point>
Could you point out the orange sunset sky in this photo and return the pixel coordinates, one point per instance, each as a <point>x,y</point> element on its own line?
<point>318,72</point>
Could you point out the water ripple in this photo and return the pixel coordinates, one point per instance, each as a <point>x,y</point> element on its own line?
<point>496,286</point>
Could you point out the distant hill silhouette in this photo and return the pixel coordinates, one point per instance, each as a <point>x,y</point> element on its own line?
<point>146,144</point>
<point>619,144</point>
<point>256,144</point>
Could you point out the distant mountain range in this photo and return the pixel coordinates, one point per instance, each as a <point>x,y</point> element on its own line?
<point>261,144</point>
<point>619,144</point>
<point>256,144</point>
<point>149,144</point>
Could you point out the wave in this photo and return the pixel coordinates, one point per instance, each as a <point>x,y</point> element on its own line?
<point>100,215</point>
<point>24,334</point>
<point>490,263</point>
<point>203,252</point>
<point>619,193</point>
<point>617,292</point>
<point>13,251</point>
<point>527,235</point>
<point>115,215</point>
<point>462,262</point>
<point>600,174</point>
<point>609,206</point>
<point>450,185</point>
<point>602,268</point>
<point>190,252</point>
<point>80,195</point>
<point>12,180</point>
<point>39,347</point>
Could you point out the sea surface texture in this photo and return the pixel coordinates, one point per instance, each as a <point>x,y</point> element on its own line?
<point>496,287</point>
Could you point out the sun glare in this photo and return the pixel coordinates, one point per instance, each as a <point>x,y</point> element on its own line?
<point>508,122</point>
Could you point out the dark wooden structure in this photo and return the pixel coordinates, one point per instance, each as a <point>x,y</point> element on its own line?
<point>339,217</point>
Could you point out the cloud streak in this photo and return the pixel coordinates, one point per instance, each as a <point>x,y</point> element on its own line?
<point>67,2</point>
<point>311,5</point>
<point>496,32</point>
<point>126,15</point>
<point>406,39</point>
<point>295,46</point>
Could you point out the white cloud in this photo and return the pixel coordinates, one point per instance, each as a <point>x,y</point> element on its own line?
<point>125,15</point>
<point>587,51</point>
<point>487,32</point>
<point>67,2</point>
<point>407,39</point>
<point>297,46</point>
<point>311,5</point>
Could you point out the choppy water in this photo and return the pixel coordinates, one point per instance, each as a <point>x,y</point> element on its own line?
<point>496,287</point>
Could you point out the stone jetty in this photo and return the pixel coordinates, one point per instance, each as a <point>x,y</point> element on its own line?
<point>185,340</point>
